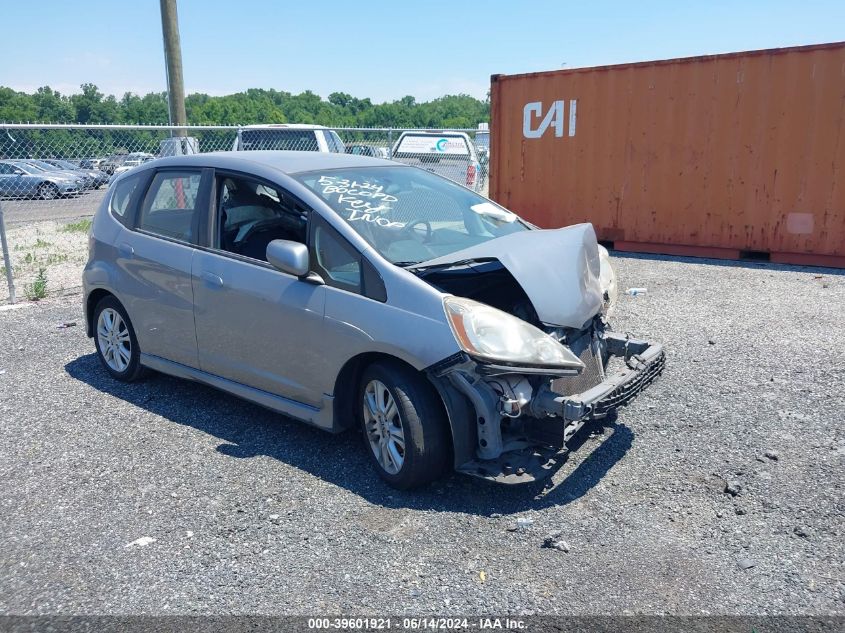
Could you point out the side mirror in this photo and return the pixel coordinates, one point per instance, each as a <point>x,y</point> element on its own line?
<point>289,257</point>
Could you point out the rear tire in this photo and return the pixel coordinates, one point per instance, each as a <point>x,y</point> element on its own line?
<point>114,337</point>
<point>404,423</point>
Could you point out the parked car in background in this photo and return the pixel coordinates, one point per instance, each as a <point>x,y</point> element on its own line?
<point>91,163</point>
<point>352,291</point>
<point>23,180</point>
<point>83,180</point>
<point>126,166</point>
<point>288,137</point>
<point>118,160</point>
<point>482,144</point>
<point>94,177</point>
<point>448,154</point>
<point>364,149</point>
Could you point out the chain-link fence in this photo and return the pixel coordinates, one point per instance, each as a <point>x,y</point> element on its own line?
<point>60,173</point>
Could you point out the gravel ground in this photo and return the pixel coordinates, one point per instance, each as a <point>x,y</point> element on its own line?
<point>168,497</point>
<point>59,248</point>
<point>26,211</point>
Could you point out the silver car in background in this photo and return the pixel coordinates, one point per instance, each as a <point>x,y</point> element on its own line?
<point>349,291</point>
<point>95,178</point>
<point>19,179</point>
<point>82,178</point>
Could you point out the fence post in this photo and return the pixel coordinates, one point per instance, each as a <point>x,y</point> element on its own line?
<point>7,261</point>
<point>390,143</point>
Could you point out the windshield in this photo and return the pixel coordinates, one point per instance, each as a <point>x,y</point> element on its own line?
<point>29,168</point>
<point>410,215</point>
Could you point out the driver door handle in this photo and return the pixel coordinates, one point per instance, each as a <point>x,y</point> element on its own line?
<point>211,279</point>
<point>126,249</point>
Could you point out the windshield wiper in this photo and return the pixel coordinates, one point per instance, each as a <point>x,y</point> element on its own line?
<point>460,262</point>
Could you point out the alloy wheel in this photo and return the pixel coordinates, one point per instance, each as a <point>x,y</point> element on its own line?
<point>114,340</point>
<point>384,427</point>
<point>48,191</point>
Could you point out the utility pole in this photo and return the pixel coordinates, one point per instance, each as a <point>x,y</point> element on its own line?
<point>173,63</point>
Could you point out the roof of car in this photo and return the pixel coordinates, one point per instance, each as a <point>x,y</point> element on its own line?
<point>275,126</point>
<point>288,162</point>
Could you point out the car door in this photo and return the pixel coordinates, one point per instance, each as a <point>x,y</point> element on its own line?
<point>12,181</point>
<point>7,173</point>
<point>154,256</point>
<point>255,324</point>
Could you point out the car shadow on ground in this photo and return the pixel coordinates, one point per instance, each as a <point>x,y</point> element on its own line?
<point>248,430</point>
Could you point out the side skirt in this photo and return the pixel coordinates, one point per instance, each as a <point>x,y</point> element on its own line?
<point>319,417</point>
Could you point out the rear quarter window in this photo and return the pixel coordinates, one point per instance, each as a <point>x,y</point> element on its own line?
<point>121,197</point>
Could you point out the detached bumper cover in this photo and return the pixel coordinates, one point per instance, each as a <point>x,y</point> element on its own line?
<point>643,363</point>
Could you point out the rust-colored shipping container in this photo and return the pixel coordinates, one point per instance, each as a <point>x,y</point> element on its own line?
<point>722,156</point>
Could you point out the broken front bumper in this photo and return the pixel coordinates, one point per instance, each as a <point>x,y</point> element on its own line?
<point>643,363</point>
<point>524,444</point>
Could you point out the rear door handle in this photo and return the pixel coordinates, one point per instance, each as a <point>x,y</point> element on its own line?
<point>211,279</point>
<point>126,249</point>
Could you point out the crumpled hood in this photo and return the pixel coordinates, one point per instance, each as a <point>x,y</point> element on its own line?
<point>557,268</point>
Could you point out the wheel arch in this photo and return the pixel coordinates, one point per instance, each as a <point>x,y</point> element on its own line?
<point>346,384</point>
<point>458,410</point>
<point>91,301</point>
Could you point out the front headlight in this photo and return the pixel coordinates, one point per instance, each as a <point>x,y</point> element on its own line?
<point>490,334</point>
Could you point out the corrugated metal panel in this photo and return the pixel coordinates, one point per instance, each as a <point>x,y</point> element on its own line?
<point>744,151</point>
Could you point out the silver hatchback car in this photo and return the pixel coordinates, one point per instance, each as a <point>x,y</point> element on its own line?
<point>348,291</point>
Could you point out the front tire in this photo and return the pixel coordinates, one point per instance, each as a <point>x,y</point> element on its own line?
<point>404,424</point>
<point>115,340</point>
<point>48,191</point>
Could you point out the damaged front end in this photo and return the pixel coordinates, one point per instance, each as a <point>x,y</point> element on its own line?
<point>538,360</point>
<point>523,417</point>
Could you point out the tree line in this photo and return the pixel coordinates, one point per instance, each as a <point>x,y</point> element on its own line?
<point>256,105</point>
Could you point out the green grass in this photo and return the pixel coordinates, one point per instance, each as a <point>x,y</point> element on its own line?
<point>39,243</point>
<point>38,288</point>
<point>56,258</point>
<point>83,226</point>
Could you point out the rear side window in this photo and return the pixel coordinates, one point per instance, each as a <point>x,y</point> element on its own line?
<point>119,203</point>
<point>334,142</point>
<point>170,206</point>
